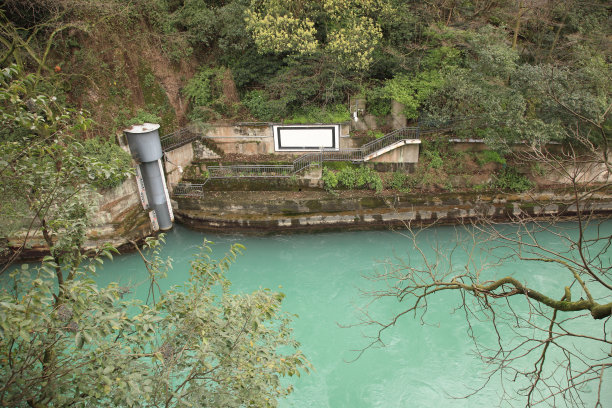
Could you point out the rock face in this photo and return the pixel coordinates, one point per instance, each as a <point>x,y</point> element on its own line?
<point>119,218</point>
<point>262,212</point>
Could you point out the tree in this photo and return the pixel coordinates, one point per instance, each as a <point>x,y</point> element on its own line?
<point>551,340</point>
<point>46,170</point>
<point>194,345</point>
<point>347,30</point>
<point>66,341</point>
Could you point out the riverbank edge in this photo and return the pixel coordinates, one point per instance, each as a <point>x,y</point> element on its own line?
<point>316,211</point>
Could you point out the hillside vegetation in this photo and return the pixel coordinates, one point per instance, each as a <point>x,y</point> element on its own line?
<point>525,69</point>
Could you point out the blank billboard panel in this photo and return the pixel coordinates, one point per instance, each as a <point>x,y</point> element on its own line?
<point>306,137</point>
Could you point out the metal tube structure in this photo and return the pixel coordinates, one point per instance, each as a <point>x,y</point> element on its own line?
<point>146,150</point>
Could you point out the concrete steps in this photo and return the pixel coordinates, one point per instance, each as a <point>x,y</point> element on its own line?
<point>390,147</point>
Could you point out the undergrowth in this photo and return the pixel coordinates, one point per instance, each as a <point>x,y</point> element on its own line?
<point>509,179</point>
<point>352,178</point>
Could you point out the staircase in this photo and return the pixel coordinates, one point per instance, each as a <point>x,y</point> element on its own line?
<point>369,151</point>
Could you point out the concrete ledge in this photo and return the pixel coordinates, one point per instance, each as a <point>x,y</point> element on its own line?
<point>321,211</point>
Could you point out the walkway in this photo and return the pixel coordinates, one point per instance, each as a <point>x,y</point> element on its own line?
<point>364,153</point>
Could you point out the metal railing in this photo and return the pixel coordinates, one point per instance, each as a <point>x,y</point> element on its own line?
<point>389,139</point>
<point>237,171</point>
<point>354,155</point>
<point>177,139</point>
<point>300,164</point>
<point>188,189</point>
<point>307,161</point>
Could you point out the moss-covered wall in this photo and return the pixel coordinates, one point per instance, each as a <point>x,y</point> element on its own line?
<point>307,211</point>
<point>155,98</point>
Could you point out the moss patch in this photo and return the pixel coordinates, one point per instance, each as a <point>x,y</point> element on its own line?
<point>155,98</point>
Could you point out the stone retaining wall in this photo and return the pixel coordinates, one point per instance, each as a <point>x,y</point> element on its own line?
<point>313,211</point>
<point>119,218</point>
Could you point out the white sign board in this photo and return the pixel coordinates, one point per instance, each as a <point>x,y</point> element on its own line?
<point>305,137</point>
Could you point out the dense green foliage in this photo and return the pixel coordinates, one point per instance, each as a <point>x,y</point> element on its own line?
<point>519,70</point>
<point>66,341</point>
<point>509,179</point>
<point>194,345</point>
<point>352,177</point>
<point>47,169</point>
<point>489,156</point>
<point>106,151</point>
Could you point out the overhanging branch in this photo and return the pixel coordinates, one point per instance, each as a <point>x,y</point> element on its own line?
<point>598,311</point>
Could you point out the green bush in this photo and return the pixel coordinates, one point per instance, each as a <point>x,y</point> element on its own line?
<point>205,93</point>
<point>378,102</point>
<point>141,117</point>
<point>330,181</point>
<point>337,165</point>
<point>400,181</point>
<point>334,114</point>
<point>480,187</point>
<point>375,134</point>
<point>413,90</point>
<point>435,160</point>
<point>352,178</point>
<point>103,152</point>
<point>489,156</point>
<point>199,89</point>
<point>508,179</point>
<point>262,108</point>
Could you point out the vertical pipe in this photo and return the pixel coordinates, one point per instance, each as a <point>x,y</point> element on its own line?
<point>146,149</point>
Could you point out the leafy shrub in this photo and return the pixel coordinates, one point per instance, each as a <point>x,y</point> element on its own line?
<point>399,181</point>
<point>199,89</point>
<point>261,107</point>
<point>378,102</point>
<point>480,187</point>
<point>337,165</point>
<point>352,178</point>
<point>435,161</point>
<point>101,153</point>
<point>330,181</point>
<point>210,93</point>
<point>141,117</point>
<point>334,114</point>
<point>413,90</point>
<point>508,179</point>
<point>375,134</point>
<point>489,156</point>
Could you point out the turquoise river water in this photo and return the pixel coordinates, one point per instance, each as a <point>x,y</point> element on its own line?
<point>422,365</point>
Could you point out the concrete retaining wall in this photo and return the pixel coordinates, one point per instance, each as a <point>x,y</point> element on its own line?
<point>253,139</point>
<point>118,219</point>
<point>312,211</point>
<point>176,161</point>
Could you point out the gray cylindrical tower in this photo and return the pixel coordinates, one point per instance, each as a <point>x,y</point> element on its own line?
<point>147,151</point>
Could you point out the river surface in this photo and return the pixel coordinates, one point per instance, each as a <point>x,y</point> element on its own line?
<point>422,365</point>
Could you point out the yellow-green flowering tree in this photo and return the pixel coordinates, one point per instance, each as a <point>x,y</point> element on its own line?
<point>347,30</point>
